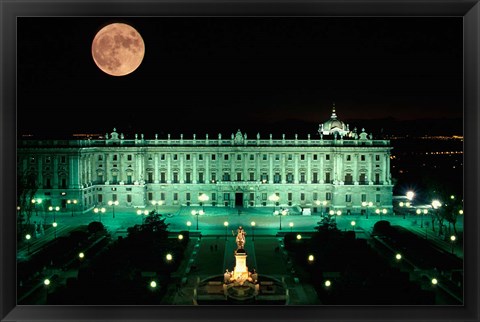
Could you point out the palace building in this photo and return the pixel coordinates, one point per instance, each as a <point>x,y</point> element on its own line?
<point>334,169</point>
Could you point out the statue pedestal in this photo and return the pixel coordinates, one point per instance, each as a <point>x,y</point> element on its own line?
<point>240,272</point>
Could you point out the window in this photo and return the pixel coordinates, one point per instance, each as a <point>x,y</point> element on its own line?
<point>315,177</point>
<point>226,196</point>
<point>289,177</point>
<point>225,157</point>
<point>162,177</point>
<point>348,179</point>
<point>239,157</point>
<point>129,198</point>
<point>363,178</point>
<point>264,196</point>
<point>64,183</point>
<point>128,189</point>
<point>364,197</point>
<point>48,183</point>
<point>150,158</point>
<point>100,198</point>
<point>348,198</point>
<point>188,177</point>
<point>129,157</point>
<point>349,157</point>
<point>362,157</point>
<point>150,177</point>
<point>289,196</point>
<point>302,196</point>
<point>200,157</point>
<point>175,196</point>
<point>315,157</point>
<point>162,195</point>
<point>264,177</point>
<point>114,197</point>
<point>239,176</point>
<point>226,176</point>
<point>277,157</point>
<point>328,196</point>
<point>264,157</point>
<point>315,196</point>
<point>327,177</point>
<point>187,195</point>
<point>290,157</point>
<point>327,157</point>
<point>214,177</point>
<point>252,176</point>
<point>302,177</point>
<point>302,157</point>
<point>115,157</point>
<point>377,178</point>
<point>48,159</point>
<point>276,178</point>
<point>200,177</point>
<point>162,156</point>
<point>63,159</point>
<point>175,177</point>
<point>252,196</point>
<point>115,177</point>
<point>214,196</point>
<point>377,157</point>
<point>252,157</point>
<point>175,157</point>
<point>187,157</point>
<point>214,157</point>
<point>377,198</point>
<point>100,157</point>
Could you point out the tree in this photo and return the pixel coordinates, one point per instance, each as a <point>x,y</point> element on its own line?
<point>26,190</point>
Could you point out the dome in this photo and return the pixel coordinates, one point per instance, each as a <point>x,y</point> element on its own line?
<point>333,125</point>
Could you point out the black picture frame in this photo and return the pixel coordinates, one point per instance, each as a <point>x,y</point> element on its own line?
<point>10,10</point>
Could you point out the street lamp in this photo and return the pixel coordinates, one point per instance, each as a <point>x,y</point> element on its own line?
<point>226,229</point>
<point>410,195</point>
<point>311,258</point>
<point>55,229</point>
<point>189,223</point>
<point>51,209</point>
<point>339,213</point>
<point>99,211</point>
<point>328,283</point>
<point>153,284</point>
<point>169,257</point>
<point>81,256</point>
<point>203,198</point>
<point>35,202</point>
<point>353,223</point>
<point>140,213</point>
<point>253,230</point>
<point>27,237</point>
<point>291,226</point>
<point>113,204</point>
<point>180,237</point>
<point>280,214</point>
<point>398,257</point>
<point>156,204</point>
<point>453,238</point>
<point>73,203</point>
<point>299,236</point>
<point>197,213</point>
<point>274,198</point>
<point>378,212</point>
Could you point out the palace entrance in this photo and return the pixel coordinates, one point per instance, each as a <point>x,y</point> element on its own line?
<point>238,199</point>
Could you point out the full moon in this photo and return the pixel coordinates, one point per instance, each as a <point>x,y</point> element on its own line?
<point>118,49</point>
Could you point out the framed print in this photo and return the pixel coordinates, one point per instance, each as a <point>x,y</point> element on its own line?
<point>214,160</point>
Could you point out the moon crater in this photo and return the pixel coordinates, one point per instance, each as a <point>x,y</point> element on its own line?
<point>118,49</point>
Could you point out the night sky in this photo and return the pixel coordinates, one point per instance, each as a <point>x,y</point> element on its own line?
<point>207,75</point>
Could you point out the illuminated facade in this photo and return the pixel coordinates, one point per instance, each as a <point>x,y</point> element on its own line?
<point>337,169</point>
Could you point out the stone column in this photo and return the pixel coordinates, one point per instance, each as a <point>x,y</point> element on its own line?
<point>156,179</point>
<point>295,173</point>
<point>270,168</point>
<point>355,168</point>
<point>194,168</point>
<point>182,172</point>
<point>309,168</point>
<point>321,171</point>
<point>40,171</point>
<point>284,167</point>
<point>169,168</point>
<point>105,172</point>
